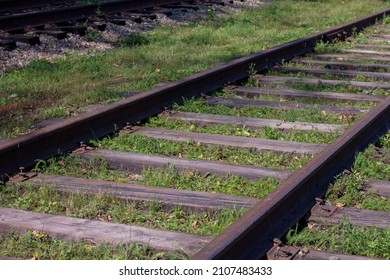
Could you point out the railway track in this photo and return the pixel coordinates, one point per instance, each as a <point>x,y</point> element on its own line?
<point>58,18</point>
<point>25,22</point>
<point>253,235</point>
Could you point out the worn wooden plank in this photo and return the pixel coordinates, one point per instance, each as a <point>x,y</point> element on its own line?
<point>235,102</point>
<point>345,65</point>
<point>371,46</point>
<point>276,80</point>
<point>382,187</point>
<point>53,33</point>
<point>373,40</point>
<point>350,57</point>
<point>167,196</point>
<point>358,51</point>
<point>5,258</point>
<point>342,73</point>
<point>31,40</point>
<point>379,35</point>
<point>320,255</point>
<point>68,228</point>
<point>293,93</point>
<point>253,123</point>
<point>8,44</point>
<point>358,217</point>
<point>134,162</point>
<point>234,141</point>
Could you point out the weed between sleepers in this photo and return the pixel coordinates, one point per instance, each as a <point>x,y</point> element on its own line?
<point>344,238</point>
<point>37,245</point>
<point>312,136</point>
<point>308,115</point>
<point>46,199</point>
<point>194,150</point>
<point>169,177</point>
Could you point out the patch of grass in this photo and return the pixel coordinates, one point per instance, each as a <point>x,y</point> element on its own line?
<point>95,168</point>
<point>308,115</point>
<point>92,35</point>
<point>58,112</point>
<point>168,177</point>
<point>133,40</point>
<point>344,238</point>
<point>312,136</point>
<point>349,187</point>
<point>384,141</point>
<point>37,245</point>
<point>372,164</point>
<point>349,190</point>
<point>192,149</point>
<point>46,199</point>
<point>327,48</point>
<point>233,185</point>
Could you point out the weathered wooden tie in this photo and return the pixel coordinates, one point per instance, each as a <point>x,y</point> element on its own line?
<point>329,214</point>
<point>167,196</point>
<point>295,94</point>
<point>346,65</point>
<point>371,46</point>
<point>253,123</point>
<point>364,51</point>
<point>236,102</point>
<point>382,187</point>
<point>233,141</point>
<point>281,251</point>
<point>350,57</point>
<point>68,228</point>
<point>134,162</point>
<point>342,73</point>
<point>276,80</point>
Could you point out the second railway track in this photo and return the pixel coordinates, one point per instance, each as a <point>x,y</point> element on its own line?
<point>311,167</point>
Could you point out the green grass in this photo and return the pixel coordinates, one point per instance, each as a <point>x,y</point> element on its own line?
<point>194,150</point>
<point>308,115</point>
<point>233,185</point>
<point>168,177</point>
<point>46,199</point>
<point>344,238</point>
<point>37,245</point>
<point>312,136</point>
<point>168,53</point>
<point>349,188</point>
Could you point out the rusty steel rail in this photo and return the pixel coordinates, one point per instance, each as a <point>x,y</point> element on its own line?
<point>21,21</point>
<point>46,142</point>
<point>251,236</point>
<point>10,5</point>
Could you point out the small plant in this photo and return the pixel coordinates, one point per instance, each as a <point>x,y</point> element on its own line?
<point>58,112</point>
<point>92,35</point>
<point>386,20</point>
<point>326,47</point>
<point>252,81</point>
<point>133,40</point>
<point>210,13</point>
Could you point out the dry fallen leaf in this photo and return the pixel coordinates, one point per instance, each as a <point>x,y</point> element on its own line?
<point>311,225</point>
<point>196,224</point>
<point>340,204</point>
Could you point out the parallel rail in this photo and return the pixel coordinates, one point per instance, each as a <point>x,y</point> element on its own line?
<point>68,134</point>
<point>33,19</point>
<point>252,235</point>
